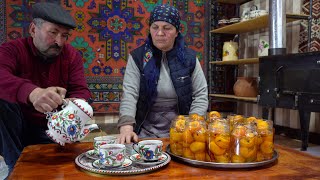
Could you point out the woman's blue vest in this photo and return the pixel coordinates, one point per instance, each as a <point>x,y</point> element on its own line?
<point>180,75</point>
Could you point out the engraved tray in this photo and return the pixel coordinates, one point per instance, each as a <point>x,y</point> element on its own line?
<point>222,165</point>
<point>86,163</point>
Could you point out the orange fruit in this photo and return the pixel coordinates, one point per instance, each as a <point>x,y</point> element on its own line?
<point>200,135</point>
<point>262,126</point>
<point>187,153</point>
<point>185,145</point>
<point>266,147</point>
<point>208,159</point>
<point>248,153</point>
<point>175,136</point>
<point>213,114</point>
<point>176,148</point>
<point>222,158</point>
<point>238,118</point>
<point>187,136</point>
<point>237,159</point>
<point>217,127</point>
<point>222,141</point>
<point>215,149</point>
<point>180,125</point>
<point>196,117</point>
<point>260,157</point>
<point>268,137</point>
<point>181,117</point>
<point>239,131</point>
<point>194,126</point>
<point>200,156</point>
<point>251,119</point>
<point>259,140</point>
<point>197,147</point>
<point>247,142</point>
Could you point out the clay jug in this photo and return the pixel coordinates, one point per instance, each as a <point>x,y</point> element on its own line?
<point>246,87</point>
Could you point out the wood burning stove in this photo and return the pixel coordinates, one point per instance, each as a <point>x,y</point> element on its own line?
<point>291,81</point>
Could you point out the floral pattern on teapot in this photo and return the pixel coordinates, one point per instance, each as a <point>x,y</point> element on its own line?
<point>68,125</point>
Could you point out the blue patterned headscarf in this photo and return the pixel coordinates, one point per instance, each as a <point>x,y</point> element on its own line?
<point>167,13</point>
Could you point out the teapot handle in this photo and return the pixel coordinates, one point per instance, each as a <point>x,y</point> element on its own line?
<point>65,103</point>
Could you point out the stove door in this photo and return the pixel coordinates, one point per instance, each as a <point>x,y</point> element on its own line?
<point>284,78</point>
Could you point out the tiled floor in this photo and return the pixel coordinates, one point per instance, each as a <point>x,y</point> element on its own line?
<point>313,149</point>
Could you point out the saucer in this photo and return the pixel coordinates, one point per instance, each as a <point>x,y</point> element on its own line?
<point>90,154</point>
<point>136,158</point>
<point>127,162</point>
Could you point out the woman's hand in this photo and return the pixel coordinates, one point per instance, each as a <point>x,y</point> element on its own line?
<point>127,134</point>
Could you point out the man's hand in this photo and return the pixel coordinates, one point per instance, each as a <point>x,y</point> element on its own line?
<point>46,100</point>
<point>127,134</point>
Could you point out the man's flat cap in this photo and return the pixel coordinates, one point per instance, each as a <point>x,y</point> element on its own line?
<point>53,13</point>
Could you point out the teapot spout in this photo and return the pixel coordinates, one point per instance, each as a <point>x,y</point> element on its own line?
<point>86,130</point>
<point>91,127</point>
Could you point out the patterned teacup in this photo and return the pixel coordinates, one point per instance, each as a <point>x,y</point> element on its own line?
<point>101,140</point>
<point>149,150</point>
<point>112,155</point>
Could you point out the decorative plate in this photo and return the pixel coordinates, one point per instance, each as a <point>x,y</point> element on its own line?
<point>223,165</point>
<point>127,162</point>
<point>87,164</point>
<point>136,158</point>
<point>90,154</point>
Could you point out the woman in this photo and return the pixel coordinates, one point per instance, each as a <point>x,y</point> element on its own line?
<point>163,79</point>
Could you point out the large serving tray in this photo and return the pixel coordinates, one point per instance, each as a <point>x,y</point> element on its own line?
<point>86,164</point>
<point>223,165</point>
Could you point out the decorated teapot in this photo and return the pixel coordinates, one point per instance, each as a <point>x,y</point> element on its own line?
<point>68,125</point>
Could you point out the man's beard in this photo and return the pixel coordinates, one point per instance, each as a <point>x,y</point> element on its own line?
<point>48,59</point>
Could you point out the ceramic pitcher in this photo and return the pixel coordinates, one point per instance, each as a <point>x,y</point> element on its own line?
<point>230,51</point>
<point>69,124</point>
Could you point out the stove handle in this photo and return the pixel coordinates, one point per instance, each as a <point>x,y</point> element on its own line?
<point>314,101</point>
<point>278,71</point>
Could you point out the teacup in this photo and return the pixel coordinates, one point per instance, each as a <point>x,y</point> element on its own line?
<point>101,140</point>
<point>149,150</point>
<point>112,155</point>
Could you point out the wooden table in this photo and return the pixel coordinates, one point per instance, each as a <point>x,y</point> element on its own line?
<point>54,162</point>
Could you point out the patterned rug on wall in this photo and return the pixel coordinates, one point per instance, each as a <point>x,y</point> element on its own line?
<point>107,30</point>
<point>315,27</point>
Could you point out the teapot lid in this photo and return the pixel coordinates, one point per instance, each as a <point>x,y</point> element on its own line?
<point>84,106</point>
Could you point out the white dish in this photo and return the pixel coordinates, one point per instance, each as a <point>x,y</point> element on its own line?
<point>136,158</point>
<point>90,154</point>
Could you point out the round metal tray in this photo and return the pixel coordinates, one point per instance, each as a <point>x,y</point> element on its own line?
<point>86,163</point>
<point>223,165</point>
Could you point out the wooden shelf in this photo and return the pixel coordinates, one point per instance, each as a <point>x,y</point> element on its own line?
<point>233,1</point>
<point>253,24</point>
<point>234,98</point>
<point>237,62</point>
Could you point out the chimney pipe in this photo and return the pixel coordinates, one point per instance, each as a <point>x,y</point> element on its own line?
<point>277,27</point>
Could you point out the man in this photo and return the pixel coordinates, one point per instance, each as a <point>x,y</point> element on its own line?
<point>36,74</point>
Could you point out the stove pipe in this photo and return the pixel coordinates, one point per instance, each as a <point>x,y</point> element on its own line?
<point>277,27</point>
